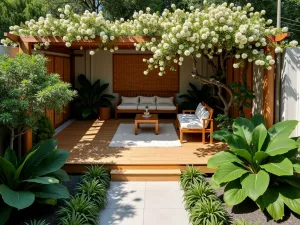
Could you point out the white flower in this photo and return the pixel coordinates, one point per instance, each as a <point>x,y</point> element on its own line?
<point>166,45</point>
<point>278,50</point>
<point>175,60</point>
<point>285,29</point>
<point>236,65</point>
<point>294,43</point>
<point>269,57</point>
<point>269,21</point>
<point>92,52</point>
<point>272,62</point>
<point>112,38</point>
<point>263,12</point>
<point>145,72</point>
<point>180,58</point>
<point>145,31</point>
<point>151,60</point>
<point>237,56</point>
<point>187,52</point>
<point>153,39</point>
<point>255,52</point>
<point>244,55</point>
<point>148,9</point>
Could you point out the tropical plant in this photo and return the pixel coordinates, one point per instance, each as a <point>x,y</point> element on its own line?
<point>244,222</point>
<point>43,130</point>
<point>198,192</point>
<point>94,189</point>
<point>209,212</point>
<point>196,96</point>
<point>37,222</point>
<point>224,122</point>
<point>74,219</point>
<point>80,204</point>
<point>99,173</point>
<point>35,177</point>
<point>260,164</point>
<point>190,177</point>
<point>91,97</point>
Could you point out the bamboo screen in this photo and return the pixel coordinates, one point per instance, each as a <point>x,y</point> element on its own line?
<point>128,75</point>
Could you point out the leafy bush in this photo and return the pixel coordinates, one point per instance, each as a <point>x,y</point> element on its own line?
<point>190,177</point>
<point>261,164</point>
<point>80,204</point>
<point>95,190</point>
<point>74,219</point>
<point>197,193</point>
<point>244,222</point>
<point>43,130</point>
<point>36,177</point>
<point>99,173</point>
<point>39,222</point>
<point>224,122</point>
<point>209,212</point>
<point>91,97</point>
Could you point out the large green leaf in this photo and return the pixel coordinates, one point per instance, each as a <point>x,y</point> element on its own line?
<point>60,175</point>
<point>236,142</point>
<point>255,185</point>
<point>16,199</point>
<point>243,128</point>
<point>233,193</point>
<point>279,146</point>
<point>273,203</point>
<point>43,180</point>
<point>279,166</point>
<point>282,129</point>
<point>53,162</point>
<point>55,191</point>
<point>258,119</point>
<point>10,155</point>
<point>221,158</point>
<point>244,154</point>
<point>291,197</point>
<point>258,137</point>
<point>260,156</point>
<point>4,213</point>
<point>297,167</point>
<point>292,180</point>
<point>228,172</point>
<point>7,171</point>
<point>19,170</point>
<point>220,134</point>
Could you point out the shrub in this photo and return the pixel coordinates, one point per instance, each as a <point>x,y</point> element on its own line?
<point>99,173</point>
<point>244,222</point>
<point>39,222</point>
<point>43,130</point>
<point>197,193</point>
<point>261,164</point>
<point>80,204</point>
<point>191,176</point>
<point>36,177</point>
<point>209,212</point>
<point>96,191</point>
<point>74,219</point>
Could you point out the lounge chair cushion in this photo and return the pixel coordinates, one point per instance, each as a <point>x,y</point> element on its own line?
<point>164,100</point>
<point>130,100</point>
<point>143,106</point>
<point>189,121</point>
<point>166,106</point>
<point>147,100</point>
<point>201,113</point>
<point>128,106</point>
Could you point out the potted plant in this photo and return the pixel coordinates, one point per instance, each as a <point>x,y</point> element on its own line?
<point>92,102</point>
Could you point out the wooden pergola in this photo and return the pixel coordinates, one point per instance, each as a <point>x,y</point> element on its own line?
<point>57,45</point>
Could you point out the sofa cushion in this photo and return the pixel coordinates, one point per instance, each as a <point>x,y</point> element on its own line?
<point>143,106</point>
<point>201,113</point>
<point>129,106</point>
<point>147,100</point>
<point>130,100</point>
<point>189,121</point>
<point>166,107</point>
<point>164,100</point>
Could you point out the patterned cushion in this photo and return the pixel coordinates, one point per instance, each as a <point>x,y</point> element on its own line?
<point>166,107</point>
<point>129,106</point>
<point>163,100</point>
<point>130,100</point>
<point>201,113</point>
<point>147,100</point>
<point>143,106</point>
<point>189,121</point>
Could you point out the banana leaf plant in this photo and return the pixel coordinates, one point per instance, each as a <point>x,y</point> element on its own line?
<point>90,97</point>
<point>260,164</point>
<point>35,178</point>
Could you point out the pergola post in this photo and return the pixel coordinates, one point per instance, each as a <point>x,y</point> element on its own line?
<point>268,91</point>
<point>26,47</point>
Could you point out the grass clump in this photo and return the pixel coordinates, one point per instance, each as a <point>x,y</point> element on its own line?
<point>74,219</point>
<point>99,173</point>
<point>37,222</point>
<point>190,177</point>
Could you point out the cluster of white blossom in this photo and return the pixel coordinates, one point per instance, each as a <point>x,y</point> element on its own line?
<point>223,29</point>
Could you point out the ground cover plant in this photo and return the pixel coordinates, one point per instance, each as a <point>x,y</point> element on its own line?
<point>36,177</point>
<point>90,196</point>
<point>260,164</point>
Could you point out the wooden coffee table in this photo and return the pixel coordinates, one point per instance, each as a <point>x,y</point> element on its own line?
<point>140,119</point>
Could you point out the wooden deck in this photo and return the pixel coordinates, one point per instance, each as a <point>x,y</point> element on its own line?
<point>88,144</point>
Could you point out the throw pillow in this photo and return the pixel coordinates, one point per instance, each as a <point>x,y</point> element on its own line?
<point>164,100</point>
<point>130,100</point>
<point>147,100</point>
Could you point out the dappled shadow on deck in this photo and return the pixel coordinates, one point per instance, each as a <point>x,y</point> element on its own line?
<point>88,143</point>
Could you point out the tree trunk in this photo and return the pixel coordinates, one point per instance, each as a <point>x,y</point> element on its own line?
<point>12,138</point>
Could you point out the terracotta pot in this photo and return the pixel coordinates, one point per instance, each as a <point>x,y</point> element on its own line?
<point>104,113</point>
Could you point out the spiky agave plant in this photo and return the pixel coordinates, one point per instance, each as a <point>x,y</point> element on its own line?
<point>95,190</point>
<point>81,204</point>
<point>37,222</point>
<point>209,212</point>
<point>198,192</point>
<point>191,176</point>
<point>244,222</point>
<point>74,219</point>
<point>99,173</point>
